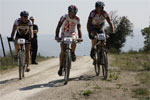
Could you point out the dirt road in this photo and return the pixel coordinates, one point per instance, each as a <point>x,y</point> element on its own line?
<point>43,83</point>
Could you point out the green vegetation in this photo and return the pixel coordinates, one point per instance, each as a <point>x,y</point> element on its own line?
<point>86,92</point>
<point>131,61</point>
<point>113,76</point>
<point>144,77</point>
<point>136,62</point>
<point>42,58</point>
<point>9,62</point>
<point>146,34</point>
<point>123,28</point>
<point>141,93</point>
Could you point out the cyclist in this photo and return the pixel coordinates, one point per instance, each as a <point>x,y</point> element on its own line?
<point>24,30</point>
<point>68,22</point>
<point>96,23</point>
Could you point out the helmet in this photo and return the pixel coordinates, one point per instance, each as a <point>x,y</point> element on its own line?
<point>24,13</point>
<point>73,8</point>
<point>99,4</point>
<point>31,18</point>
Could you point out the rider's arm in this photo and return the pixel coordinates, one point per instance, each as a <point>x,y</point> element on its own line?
<point>13,30</point>
<point>79,30</point>
<point>110,24</point>
<point>58,29</point>
<point>35,29</point>
<point>88,25</point>
<point>31,31</point>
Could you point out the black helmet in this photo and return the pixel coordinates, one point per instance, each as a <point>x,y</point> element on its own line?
<point>24,13</point>
<point>73,8</point>
<point>99,4</point>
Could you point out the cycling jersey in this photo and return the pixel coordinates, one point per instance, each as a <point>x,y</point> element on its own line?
<point>22,27</point>
<point>98,20</point>
<point>68,26</point>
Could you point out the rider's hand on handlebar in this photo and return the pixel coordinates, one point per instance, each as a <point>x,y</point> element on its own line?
<point>10,39</point>
<point>57,39</point>
<point>91,36</point>
<point>112,34</point>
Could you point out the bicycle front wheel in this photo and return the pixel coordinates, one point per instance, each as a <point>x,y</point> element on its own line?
<point>21,64</point>
<point>97,64</point>
<point>67,66</point>
<point>105,65</point>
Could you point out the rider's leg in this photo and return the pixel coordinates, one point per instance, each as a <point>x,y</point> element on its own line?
<point>28,46</point>
<point>93,43</point>
<point>73,46</point>
<point>61,57</point>
<point>73,51</point>
<point>16,47</point>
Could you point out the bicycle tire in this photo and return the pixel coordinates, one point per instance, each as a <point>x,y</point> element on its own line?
<point>19,63</point>
<point>67,66</point>
<point>96,64</point>
<point>105,65</point>
<point>23,63</point>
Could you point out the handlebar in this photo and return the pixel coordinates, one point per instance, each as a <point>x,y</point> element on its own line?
<point>13,40</point>
<point>10,39</point>
<point>74,40</point>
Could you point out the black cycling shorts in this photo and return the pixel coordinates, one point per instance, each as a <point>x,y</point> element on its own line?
<point>26,37</point>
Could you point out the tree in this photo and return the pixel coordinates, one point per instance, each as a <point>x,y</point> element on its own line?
<point>146,34</point>
<point>123,28</point>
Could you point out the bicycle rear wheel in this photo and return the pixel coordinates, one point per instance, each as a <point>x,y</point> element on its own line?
<point>67,65</point>
<point>97,64</point>
<point>105,65</point>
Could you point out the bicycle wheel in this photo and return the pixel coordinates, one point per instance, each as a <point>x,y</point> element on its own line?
<point>67,65</point>
<point>97,64</point>
<point>105,65</point>
<point>21,63</point>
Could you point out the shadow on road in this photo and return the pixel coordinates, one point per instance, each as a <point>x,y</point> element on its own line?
<point>60,82</point>
<point>8,81</point>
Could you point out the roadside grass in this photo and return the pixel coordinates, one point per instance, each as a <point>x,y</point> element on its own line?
<point>144,78</point>
<point>131,61</point>
<point>141,93</point>
<point>9,62</point>
<point>136,62</point>
<point>113,75</point>
<point>42,58</point>
<point>86,92</point>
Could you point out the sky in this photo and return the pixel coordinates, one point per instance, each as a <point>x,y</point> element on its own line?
<point>48,12</point>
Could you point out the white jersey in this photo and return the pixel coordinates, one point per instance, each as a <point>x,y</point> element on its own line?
<point>22,27</point>
<point>69,25</point>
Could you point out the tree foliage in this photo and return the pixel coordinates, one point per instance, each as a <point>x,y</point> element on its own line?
<point>123,28</point>
<point>146,34</point>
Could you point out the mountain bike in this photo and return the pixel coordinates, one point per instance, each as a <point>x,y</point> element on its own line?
<point>100,58</point>
<point>67,57</point>
<point>21,55</point>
